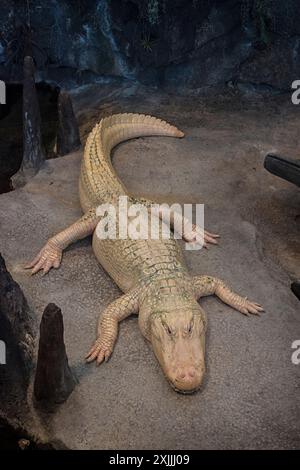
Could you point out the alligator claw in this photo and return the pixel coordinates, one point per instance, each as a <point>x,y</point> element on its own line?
<point>248,308</point>
<point>99,352</point>
<point>49,257</point>
<point>197,234</point>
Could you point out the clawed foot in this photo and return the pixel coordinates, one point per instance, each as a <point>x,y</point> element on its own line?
<point>199,235</point>
<point>99,352</point>
<point>241,304</point>
<point>249,308</point>
<point>49,257</point>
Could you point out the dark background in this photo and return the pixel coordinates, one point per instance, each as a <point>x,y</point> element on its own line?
<point>187,44</point>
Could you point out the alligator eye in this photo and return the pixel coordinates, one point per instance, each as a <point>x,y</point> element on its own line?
<point>190,327</point>
<point>168,330</point>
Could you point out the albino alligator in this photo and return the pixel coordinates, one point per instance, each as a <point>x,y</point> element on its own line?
<point>151,273</point>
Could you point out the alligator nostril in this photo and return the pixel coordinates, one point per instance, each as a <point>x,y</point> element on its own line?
<point>182,375</point>
<point>192,372</point>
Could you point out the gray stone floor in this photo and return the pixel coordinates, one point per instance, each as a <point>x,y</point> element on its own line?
<point>250,398</point>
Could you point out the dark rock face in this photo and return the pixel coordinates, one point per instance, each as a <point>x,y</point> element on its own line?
<point>34,154</point>
<point>162,42</point>
<point>190,44</point>
<point>277,66</point>
<point>11,128</point>
<point>68,139</point>
<point>66,37</point>
<point>16,333</point>
<point>16,319</point>
<point>33,149</point>
<point>54,380</point>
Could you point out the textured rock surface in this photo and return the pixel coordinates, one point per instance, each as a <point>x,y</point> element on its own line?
<point>250,398</point>
<point>163,42</point>
<point>17,322</point>
<point>17,329</point>
<point>68,139</point>
<point>33,149</point>
<point>54,381</point>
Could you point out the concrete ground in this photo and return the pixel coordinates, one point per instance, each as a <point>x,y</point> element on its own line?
<point>250,398</point>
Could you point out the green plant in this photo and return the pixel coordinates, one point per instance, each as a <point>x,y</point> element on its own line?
<point>147,42</point>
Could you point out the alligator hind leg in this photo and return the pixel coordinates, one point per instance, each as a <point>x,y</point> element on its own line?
<point>190,232</point>
<point>197,233</point>
<point>108,326</point>
<point>51,254</point>
<point>207,285</point>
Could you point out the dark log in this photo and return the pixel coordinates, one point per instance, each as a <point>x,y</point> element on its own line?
<point>68,139</point>
<point>54,380</point>
<point>33,150</point>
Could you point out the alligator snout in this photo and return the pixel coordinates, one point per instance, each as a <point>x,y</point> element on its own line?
<point>188,379</point>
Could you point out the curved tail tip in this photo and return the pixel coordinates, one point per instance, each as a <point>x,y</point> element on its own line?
<point>179,134</point>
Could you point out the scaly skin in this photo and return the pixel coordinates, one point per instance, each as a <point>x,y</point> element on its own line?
<point>151,273</point>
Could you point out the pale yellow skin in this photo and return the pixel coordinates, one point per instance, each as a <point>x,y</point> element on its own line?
<point>151,273</point>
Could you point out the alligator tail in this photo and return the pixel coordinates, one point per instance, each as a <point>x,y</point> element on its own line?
<point>99,182</point>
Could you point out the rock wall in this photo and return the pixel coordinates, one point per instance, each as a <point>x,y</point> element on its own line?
<point>191,44</point>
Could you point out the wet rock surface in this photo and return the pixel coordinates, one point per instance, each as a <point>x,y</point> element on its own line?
<point>250,396</point>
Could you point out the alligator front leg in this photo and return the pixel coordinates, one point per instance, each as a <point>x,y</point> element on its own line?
<point>207,285</point>
<point>51,254</point>
<point>108,326</point>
